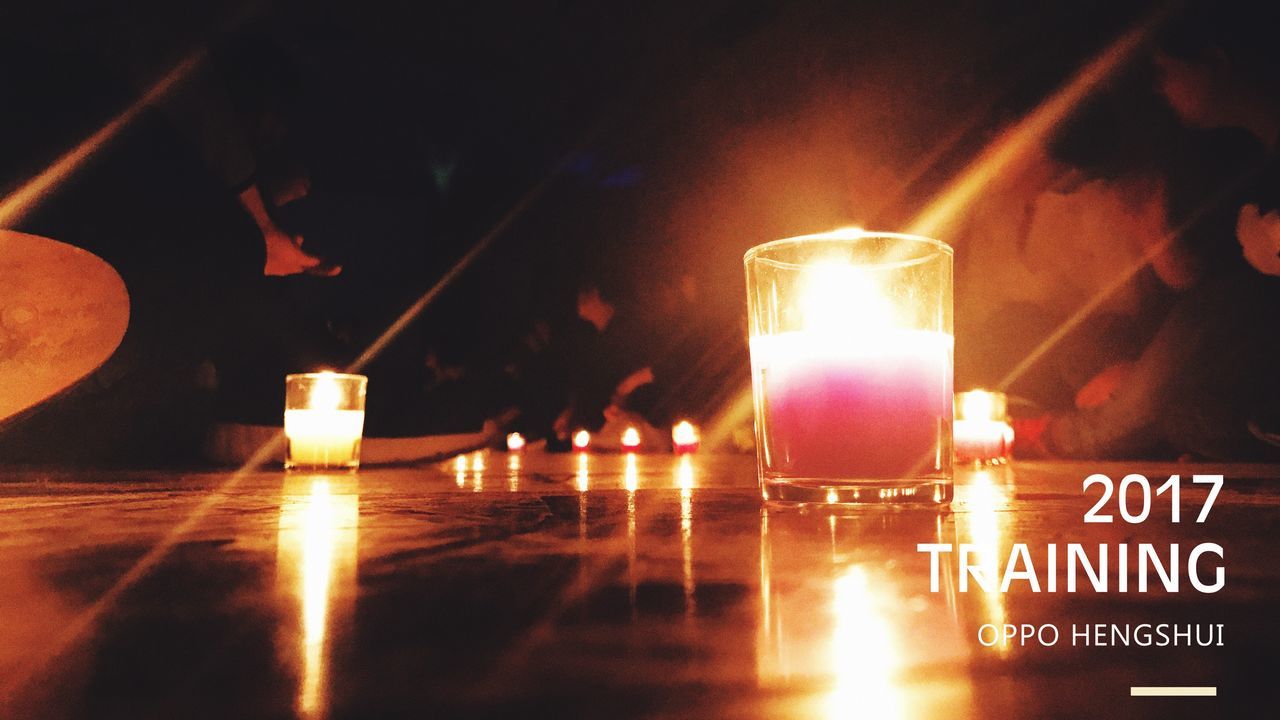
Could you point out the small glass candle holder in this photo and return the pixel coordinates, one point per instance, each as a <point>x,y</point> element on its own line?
<point>851,360</point>
<point>323,420</point>
<point>983,435</point>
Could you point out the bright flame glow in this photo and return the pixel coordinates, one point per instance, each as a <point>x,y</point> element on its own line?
<point>581,439</point>
<point>631,438</point>
<point>515,442</point>
<point>684,434</point>
<point>977,405</point>
<point>325,392</point>
<point>839,296</point>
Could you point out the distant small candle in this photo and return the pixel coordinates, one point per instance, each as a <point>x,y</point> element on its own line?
<point>982,432</point>
<point>515,442</point>
<point>684,437</point>
<point>631,438</point>
<point>581,440</point>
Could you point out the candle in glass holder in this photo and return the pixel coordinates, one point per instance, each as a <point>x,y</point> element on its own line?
<point>324,420</point>
<point>684,437</point>
<point>851,354</point>
<point>983,434</point>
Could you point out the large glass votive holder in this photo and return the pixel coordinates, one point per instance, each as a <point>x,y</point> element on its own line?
<point>851,358</point>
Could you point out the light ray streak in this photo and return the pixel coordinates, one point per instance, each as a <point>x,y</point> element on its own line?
<point>30,193</point>
<point>1006,151</point>
<point>1118,282</point>
<point>1030,132</point>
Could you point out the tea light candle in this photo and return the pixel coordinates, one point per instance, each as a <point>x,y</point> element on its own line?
<point>631,438</point>
<point>684,437</point>
<point>581,440</point>
<point>982,432</point>
<point>324,420</point>
<point>515,442</point>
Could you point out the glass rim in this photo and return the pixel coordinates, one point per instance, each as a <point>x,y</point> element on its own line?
<point>846,235</point>
<point>326,373</point>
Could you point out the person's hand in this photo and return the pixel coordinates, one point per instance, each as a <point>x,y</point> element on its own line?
<point>1259,237</point>
<point>285,255</point>
<point>560,426</point>
<point>640,377</point>
<point>1103,386</point>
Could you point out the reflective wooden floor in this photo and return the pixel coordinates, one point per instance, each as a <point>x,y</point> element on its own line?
<point>542,586</point>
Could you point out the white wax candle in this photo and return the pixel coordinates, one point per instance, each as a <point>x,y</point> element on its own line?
<point>323,438</point>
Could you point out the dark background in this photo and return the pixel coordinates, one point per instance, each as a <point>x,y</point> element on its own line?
<point>663,139</point>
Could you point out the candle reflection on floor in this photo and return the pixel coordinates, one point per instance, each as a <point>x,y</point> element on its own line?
<point>316,567</point>
<point>632,480</point>
<point>983,499</point>
<point>460,470</point>
<point>513,472</point>
<point>684,481</point>
<point>848,624</point>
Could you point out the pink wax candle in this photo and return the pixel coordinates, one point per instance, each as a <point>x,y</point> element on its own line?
<point>851,357</point>
<point>875,406</point>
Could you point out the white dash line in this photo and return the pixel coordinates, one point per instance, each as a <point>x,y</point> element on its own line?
<point>1173,691</point>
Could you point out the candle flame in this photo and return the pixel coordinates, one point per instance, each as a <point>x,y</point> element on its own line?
<point>581,439</point>
<point>325,392</point>
<point>839,296</point>
<point>982,405</point>
<point>631,438</point>
<point>684,433</point>
<point>977,405</point>
<point>515,442</point>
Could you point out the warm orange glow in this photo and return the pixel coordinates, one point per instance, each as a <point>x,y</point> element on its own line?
<point>515,442</point>
<point>631,438</point>
<point>581,439</point>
